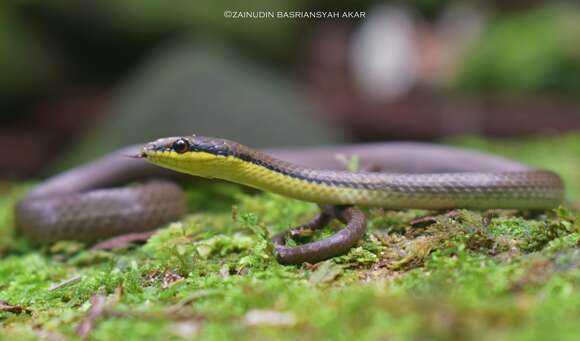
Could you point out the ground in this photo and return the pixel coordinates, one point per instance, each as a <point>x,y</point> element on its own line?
<point>458,275</point>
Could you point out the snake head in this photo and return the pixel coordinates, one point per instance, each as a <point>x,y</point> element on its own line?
<point>196,155</point>
<point>178,144</point>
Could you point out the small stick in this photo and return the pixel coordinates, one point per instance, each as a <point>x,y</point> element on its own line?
<point>66,283</point>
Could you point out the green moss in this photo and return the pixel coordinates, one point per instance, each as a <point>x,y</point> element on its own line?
<point>496,274</point>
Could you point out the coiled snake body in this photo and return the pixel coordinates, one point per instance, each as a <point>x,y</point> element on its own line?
<point>80,204</point>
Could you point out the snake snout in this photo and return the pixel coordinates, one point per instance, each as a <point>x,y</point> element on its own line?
<point>144,152</point>
<point>160,145</point>
<point>149,148</point>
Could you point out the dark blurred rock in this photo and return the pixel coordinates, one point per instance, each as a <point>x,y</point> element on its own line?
<point>192,87</point>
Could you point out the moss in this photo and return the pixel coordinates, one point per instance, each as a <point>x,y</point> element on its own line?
<point>416,274</point>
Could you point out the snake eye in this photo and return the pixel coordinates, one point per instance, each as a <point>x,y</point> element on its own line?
<point>180,146</point>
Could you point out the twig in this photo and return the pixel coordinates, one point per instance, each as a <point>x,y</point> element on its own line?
<point>72,280</point>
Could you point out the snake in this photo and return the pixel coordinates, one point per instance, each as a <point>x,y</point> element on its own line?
<point>89,203</point>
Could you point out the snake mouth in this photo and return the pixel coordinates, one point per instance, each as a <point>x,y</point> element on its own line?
<point>136,156</point>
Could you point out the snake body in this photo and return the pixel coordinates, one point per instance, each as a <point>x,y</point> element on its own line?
<point>81,203</point>
<point>231,161</point>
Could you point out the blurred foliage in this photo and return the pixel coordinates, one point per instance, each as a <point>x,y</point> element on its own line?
<point>429,9</point>
<point>79,37</point>
<point>49,42</point>
<point>23,62</point>
<point>156,16</point>
<point>526,52</point>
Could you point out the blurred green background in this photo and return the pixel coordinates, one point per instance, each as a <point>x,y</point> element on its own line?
<point>78,79</point>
